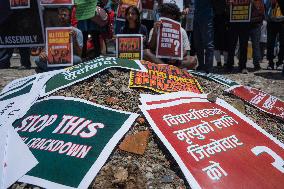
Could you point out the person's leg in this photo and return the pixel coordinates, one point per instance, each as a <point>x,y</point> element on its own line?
<point>96,41</point>
<point>76,60</point>
<point>191,41</point>
<point>5,56</point>
<point>271,37</point>
<point>281,41</point>
<point>225,54</point>
<point>255,39</point>
<point>217,55</point>
<point>41,65</point>
<point>198,44</point>
<point>25,53</point>
<point>244,37</point>
<point>208,38</point>
<point>262,48</point>
<point>85,39</point>
<point>232,42</point>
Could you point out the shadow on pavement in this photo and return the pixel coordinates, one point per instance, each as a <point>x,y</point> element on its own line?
<point>270,75</point>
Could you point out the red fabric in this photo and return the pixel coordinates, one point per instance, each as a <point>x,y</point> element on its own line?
<point>74,21</point>
<point>110,32</point>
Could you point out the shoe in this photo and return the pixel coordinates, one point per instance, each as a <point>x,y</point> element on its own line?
<point>270,65</point>
<point>24,67</point>
<point>244,71</point>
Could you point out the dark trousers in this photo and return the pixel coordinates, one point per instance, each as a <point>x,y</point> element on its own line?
<point>191,41</point>
<point>96,41</point>
<point>6,54</point>
<point>254,33</point>
<point>238,31</point>
<point>204,43</point>
<point>274,29</point>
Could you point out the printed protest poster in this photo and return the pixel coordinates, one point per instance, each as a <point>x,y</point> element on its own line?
<point>59,47</point>
<point>259,99</point>
<point>169,42</point>
<point>124,4</point>
<point>85,9</point>
<point>88,69</point>
<point>179,3</point>
<point>129,46</point>
<point>19,4</point>
<point>21,27</point>
<point>56,2</point>
<point>215,77</point>
<point>163,79</point>
<point>20,95</point>
<point>15,157</point>
<point>240,11</point>
<point>216,146</point>
<point>71,139</point>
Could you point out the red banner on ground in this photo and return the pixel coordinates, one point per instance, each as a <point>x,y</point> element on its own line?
<point>164,78</point>
<point>59,46</point>
<point>169,42</point>
<point>260,99</point>
<point>216,146</point>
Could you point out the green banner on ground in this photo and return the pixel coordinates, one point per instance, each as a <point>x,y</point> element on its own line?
<point>71,139</point>
<point>215,77</point>
<point>88,69</point>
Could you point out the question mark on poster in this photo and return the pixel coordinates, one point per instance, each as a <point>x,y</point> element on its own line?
<point>278,161</point>
<point>177,44</point>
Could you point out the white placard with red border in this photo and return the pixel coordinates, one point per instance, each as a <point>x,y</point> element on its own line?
<point>215,145</point>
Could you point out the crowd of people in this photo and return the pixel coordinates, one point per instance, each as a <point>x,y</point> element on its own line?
<point>206,33</point>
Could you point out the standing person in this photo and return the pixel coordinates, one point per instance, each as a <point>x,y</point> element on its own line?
<point>203,34</point>
<point>275,26</point>
<point>238,31</point>
<point>220,31</point>
<point>257,16</point>
<point>90,27</point>
<point>263,38</point>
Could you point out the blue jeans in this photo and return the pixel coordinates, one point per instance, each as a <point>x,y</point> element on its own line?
<point>254,33</point>
<point>203,37</point>
<point>43,65</point>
